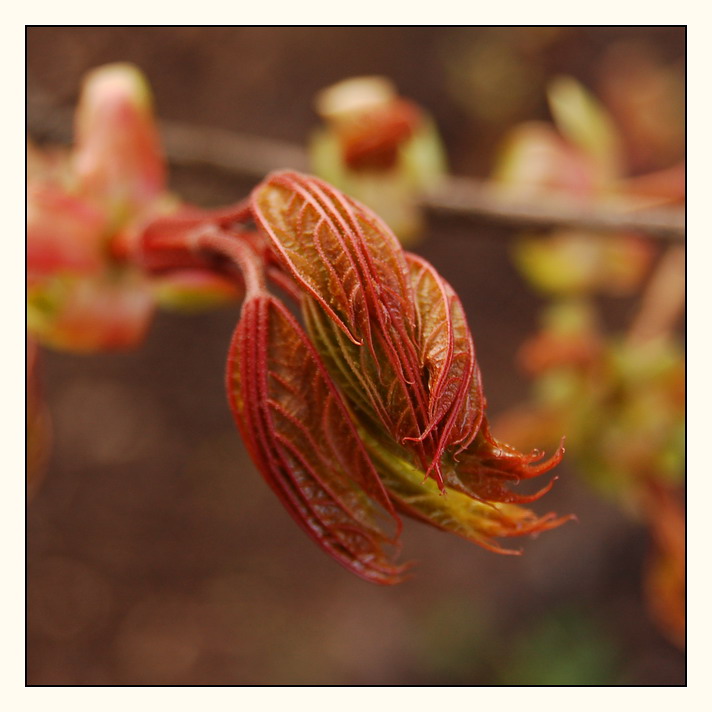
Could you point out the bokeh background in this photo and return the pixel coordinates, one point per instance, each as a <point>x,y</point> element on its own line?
<point>156,554</point>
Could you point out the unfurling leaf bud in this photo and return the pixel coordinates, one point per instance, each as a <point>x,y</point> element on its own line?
<point>393,337</point>
<point>375,406</point>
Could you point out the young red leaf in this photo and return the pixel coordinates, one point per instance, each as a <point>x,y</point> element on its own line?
<point>448,365</point>
<point>486,468</point>
<point>353,268</point>
<point>300,435</point>
<point>339,251</point>
<point>456,512</point>
<point>370,382</point>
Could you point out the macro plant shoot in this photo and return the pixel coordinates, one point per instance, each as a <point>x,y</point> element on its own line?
<point>370,408</point>
<point>356,356</point>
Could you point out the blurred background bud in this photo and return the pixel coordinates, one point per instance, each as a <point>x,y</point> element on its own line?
<point>117,158</point>
<point>85,210</point>
<point>86,314</point>
<point>379,148</point>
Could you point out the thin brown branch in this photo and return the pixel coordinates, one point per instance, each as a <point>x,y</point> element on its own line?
<point>469,197</point>
<point>253,157</point>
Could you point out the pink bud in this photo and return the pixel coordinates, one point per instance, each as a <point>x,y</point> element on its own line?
<point>64,234</point>
<point>118,159</point>
<point>90,314</point>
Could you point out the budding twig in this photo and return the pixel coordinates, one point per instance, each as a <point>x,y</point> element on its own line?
<point>253,157</point>
<point>468,197</point>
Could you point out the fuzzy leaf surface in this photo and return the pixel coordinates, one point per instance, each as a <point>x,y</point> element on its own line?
<point>480,522</point>
<point>300,435</point>
<point>353,269</point>
<point>447,354</point>
<point>488,467</point>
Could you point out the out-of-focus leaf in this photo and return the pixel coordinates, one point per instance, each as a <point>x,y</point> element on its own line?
<point>535,159</point>
<point>118,159</point>
<point>620,404</point>
<point>570,262</point>
<point>65,234</point>
<point>85,210</point>
<point>423,159</point>
<point>301,437</point>
<point>582,119</point>
<point>379,148</point>
<point>90,314</point>
<point>388,194</point>
<point>194,290</point>
<point>372,140</point>
<point>570,337</point>
<point>645,94</point>
<point>665,571</point>
<point>660,187</point>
